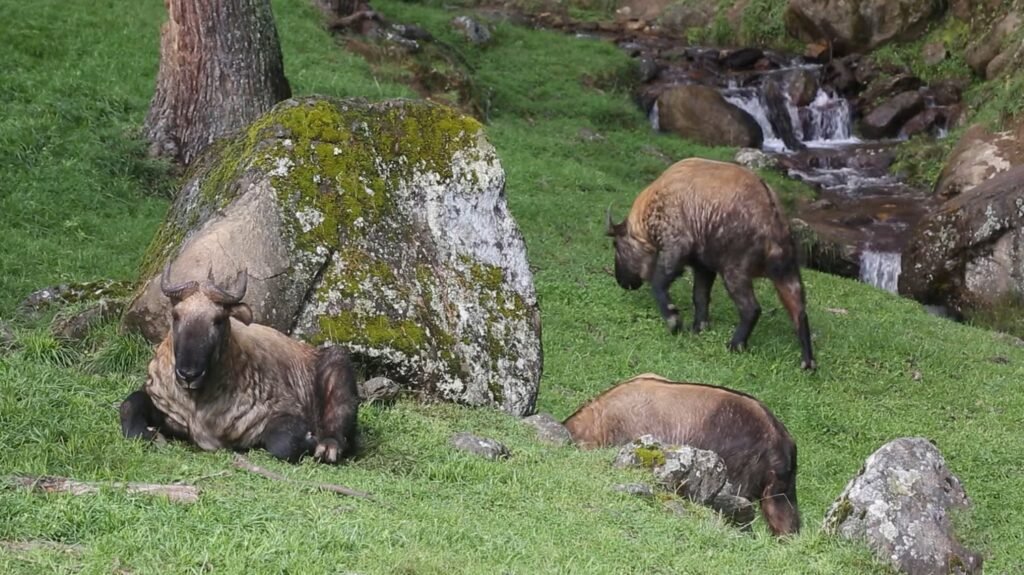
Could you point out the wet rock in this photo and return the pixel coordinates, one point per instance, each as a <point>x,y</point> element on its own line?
<point>822,204</point>
<point>859,25</point>
<point>701,114</point>
<point>886,120</point>
<point>754,159</point>
<point>925,121</point>
<point>778,115</point>
<point>365,225</point>
<point>934,53</point>
<point>487,448</point>
<point>742,59</point>
<point>801,86</point>
<point>549,429</point>
<point>886,87</point>
<point>840,75</point>
<point>696,474</point>
<point>899,504</point>
<point>823,252</point>
<point>379,389</point>
<point>76,326</point>
<point>648,69</point>
<point>980,54</point>
<point>947,92</point>
<point>473,31</point>
<point>970,252</point>
<point>637,489</point>
<point>979,155</point>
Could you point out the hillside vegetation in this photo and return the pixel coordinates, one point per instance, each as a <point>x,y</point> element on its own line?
<point>78,201</point>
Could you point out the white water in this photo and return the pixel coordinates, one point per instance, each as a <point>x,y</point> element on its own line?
<point>824,122</point>
<point>653,117</point>
<point>880,269</point>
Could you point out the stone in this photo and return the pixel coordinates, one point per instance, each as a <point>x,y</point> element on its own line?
<point>886,120</point>
<point>801,86</point>
<point>737,510</point>
<point>997,65</point>
<point>754,159</point>
<point>701,114</point>
<point>947,92</point>
<point>8,339</point>
<point>473,31</point>
<point>979,55</point>
<point>637,489</point>
<point>933,53</point>
<point>676,507</point>
<point>980,154</point>
<point>899,505</point>
<point>970,252</point>
<point>380,227</point>
<point>379,389</point>
<point>487,448</point>
<point>742,59</point>
<point>549,429</point>
<point>76,326</point>
<point>74,293</point>
<point>696,474</point>
<point>881,88</point>
<point>923,122</point>
<point>859,25</point>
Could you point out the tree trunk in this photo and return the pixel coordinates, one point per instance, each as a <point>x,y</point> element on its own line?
<point>220,68</point>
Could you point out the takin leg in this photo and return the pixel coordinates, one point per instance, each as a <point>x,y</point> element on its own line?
<point>703,279</point>
<point>790,288</point>
<point>666,270</point>
<point>141,418</point>
<point>740,286</point>
<point>288,437</point>
<point>337,401</point>
<point>779,506</point>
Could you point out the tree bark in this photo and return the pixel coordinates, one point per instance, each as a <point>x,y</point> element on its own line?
<point>220,68</point>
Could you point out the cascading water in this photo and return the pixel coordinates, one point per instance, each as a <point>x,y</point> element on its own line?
<point>880,269</point>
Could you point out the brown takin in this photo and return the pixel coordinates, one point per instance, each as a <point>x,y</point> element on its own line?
<point>759,454</point>
<point>717,218</point>
<point>220,381</point>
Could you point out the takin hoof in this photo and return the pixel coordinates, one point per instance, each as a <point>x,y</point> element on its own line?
<point>699,326</point>
<point>674,323</point>
<point>328,451</point>
<point>809,365</point>
<point>737,346</point>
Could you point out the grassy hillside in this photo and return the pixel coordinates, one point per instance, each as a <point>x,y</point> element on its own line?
<point>79,202</point>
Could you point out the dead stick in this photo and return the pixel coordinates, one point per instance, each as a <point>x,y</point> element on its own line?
<point>51,484</point>
<point>242,463</point>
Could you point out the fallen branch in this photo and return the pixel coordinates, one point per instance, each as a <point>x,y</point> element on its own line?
<point>244,464</point>
<point>51,484</point>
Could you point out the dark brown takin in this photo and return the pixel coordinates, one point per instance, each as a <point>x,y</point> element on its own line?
<point>759,454</point>
<point>220,381</point>
<point>717,218</point>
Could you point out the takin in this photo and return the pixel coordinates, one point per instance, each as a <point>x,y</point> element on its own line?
<point>759,454</point>
<point>220,381</point>
<point>717,218</point>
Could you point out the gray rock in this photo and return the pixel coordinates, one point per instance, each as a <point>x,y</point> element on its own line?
<point>549,429</point>
<point>696,474</point>
<point>676,507</point>
<point>980,154</point>
<point>481,446</point>
<point>934,53</point>
<point>886,120</point>
<point>472,30</point>
<point>899,505</point>
<point>380,389</point>
<point>381,227</point>
<point>645,451</point>
<point>754,159</point>
<point>737,510</point>
<point>76,326</point>
<point>637,489</point>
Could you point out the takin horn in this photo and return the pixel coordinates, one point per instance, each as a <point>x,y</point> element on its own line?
<point>227,296</point>
<point>180,291</point>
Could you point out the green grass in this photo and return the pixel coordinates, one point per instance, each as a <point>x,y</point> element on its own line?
<point>886,368</point>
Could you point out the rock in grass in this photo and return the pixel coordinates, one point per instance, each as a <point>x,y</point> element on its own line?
<point>380,227</point>
<point>737,510</point>
<point>379,389</point>
<point>76,326</point>
<point>549,429</point>
<point>637,489</point>
<point>473,31</point>
<point>899,504</point>
<point>481,446</point>
<point>8,340</point>
<point>696,474</point>
<point>73,293</point>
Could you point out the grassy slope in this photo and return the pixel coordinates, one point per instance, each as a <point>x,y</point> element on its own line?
<point>545,510</point>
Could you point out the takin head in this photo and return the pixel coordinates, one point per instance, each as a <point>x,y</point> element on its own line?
<point>200,324</point>
<point>634,259</point>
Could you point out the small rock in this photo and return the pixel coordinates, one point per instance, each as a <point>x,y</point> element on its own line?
<point>822,204</point>
<point>379,389</point>
<point>588,135</point>
<point>481,446</point>
<point>900,504</point>
<point>697,474</point>
<point>886,120</point>
<point>676,507</point>
<point>648,69</point>
<point>934,53</point>
<point>754,159</point>
<point>412,32</point>
<point>738,510</point>
<point>644,451</point>
<point>549,429</point>
<point>638,489</point>
<point>65,294</point>
<point>473,31</point>
<point>75,327</point>
<point>8,341</point>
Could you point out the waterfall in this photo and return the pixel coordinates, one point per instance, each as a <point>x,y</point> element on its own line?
<point>751,101</point>
<point>826,120</point>
<point>880,269</point>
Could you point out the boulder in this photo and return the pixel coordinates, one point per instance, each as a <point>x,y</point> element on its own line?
<point>381,227</point>
<point>859,25</point>
<point>701,114</point>
<point>801,86</point>
<point>886,120</point>
<point>472,31</point>
<point>549,429</point>
<point>899,504</point>
<point>697,474</point>
<point>883,87</point>
<point>482,446</point>
<point>980,54</point>
<point>970,252</point>
<point>978,155</point>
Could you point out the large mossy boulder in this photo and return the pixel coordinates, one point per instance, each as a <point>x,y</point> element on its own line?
<point>859,25</point>
<point>380,227</point>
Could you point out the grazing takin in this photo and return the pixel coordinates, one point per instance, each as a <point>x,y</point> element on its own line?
<point>717,218</point>
<point>758,452</point>
<point>221,381</point>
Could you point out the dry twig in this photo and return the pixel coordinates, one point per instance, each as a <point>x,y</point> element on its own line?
<point>51,484</point>
<point>242,463</point>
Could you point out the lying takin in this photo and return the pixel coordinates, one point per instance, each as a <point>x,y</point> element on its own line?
<point>717,218</point>
<point>759,454</point>
<point>220,381</point>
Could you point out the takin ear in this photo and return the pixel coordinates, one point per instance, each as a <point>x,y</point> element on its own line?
<point>242,312</point>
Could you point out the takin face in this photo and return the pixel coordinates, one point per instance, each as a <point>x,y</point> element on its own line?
<point>633,258</point>
<point>759,453</point>
<point>200,325</point>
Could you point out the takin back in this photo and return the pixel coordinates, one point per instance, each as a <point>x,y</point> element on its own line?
<point>717,218</point>
<point>220,381</point>
<point>759,454</point>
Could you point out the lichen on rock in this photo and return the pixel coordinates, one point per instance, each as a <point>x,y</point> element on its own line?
<point>382,227</point>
